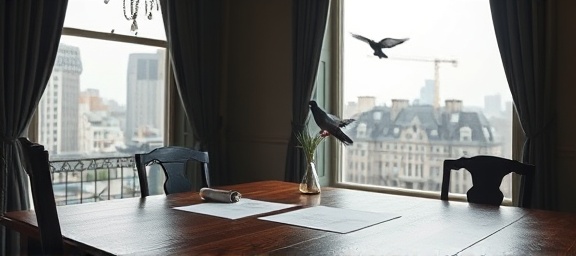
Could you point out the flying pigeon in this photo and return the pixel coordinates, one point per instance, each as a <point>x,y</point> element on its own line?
<point>330,124</point>
<point>377,46</point>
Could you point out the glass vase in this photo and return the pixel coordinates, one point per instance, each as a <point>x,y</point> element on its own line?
<point>310,183</point>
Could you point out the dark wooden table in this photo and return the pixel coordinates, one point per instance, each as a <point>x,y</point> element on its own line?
<point>148,226</point>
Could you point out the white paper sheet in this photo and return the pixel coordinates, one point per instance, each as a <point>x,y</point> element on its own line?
<point>331,219</point>
<point>244,208</point>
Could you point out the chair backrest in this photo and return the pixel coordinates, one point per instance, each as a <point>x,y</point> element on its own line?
<point>487,173</point>
<point>174,162</point>
<point>36,164</point>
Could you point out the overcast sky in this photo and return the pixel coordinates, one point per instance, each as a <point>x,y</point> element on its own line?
<point>105,63</point>
<point>445,29</point>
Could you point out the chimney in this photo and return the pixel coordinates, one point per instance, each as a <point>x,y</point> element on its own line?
<point>366,103</point>
<point>397,106</point>
<point>453,106</point>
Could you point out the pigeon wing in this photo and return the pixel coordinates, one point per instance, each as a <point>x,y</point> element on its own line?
<point>361,38</point>
<point>333,124</point>
<point>334,118</point>
<point>335,130</point>
<point>339,122</point>
<point>330,123</point>
<point>345,122</point>
<point>340,135</point>
<point>391,42</point>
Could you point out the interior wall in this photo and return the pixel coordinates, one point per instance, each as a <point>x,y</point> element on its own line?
<point>566,55</point>
<point>258,90</point>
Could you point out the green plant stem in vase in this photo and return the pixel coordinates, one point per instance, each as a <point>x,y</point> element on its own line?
<point>310,183</point>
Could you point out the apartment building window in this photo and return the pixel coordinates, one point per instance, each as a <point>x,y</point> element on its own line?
<point>445,85</point>
<point>106,77</point>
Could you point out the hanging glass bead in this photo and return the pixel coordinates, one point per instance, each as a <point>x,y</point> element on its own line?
<point>134,27</point>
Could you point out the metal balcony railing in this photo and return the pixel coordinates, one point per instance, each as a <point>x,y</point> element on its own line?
<point>77,181</point>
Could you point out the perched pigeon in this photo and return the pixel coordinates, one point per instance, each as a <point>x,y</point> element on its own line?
<point>330,124</point>
<point>377,46</point>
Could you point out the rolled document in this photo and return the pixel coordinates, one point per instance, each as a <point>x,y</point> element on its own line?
<point>220,195</point>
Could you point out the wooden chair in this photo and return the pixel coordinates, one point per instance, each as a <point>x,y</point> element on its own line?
<point>174,162</point>
<point>35,161</point>
<point>487,174</point>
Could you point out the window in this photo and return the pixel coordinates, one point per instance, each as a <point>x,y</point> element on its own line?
<point>112,83</point>
<point>465,133</point>
<point>106,98</point>
<point>445,84</point>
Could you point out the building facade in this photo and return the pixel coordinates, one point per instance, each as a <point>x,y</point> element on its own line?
<point>100,132</point>
<point>405,145</point>
<point>427,93</point>
<point>145,95</point>
<point>58,109</point>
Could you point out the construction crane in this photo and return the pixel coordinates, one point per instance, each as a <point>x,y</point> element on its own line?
<point>437,62</point>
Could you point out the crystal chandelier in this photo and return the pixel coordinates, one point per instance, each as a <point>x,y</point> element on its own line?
<point>131,13</point>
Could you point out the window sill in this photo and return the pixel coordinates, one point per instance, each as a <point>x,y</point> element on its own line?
<point>408,192</point>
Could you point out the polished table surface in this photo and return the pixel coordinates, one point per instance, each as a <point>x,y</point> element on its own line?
<point>149,226</point>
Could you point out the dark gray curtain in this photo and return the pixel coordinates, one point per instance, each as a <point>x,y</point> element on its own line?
<point>525,34</point>
<point>193,30</point>
<point>310,17</point>
<point>29,37</point>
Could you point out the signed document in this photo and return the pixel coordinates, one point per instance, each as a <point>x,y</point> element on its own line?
<point>243,208</point>
<point>331,219</point>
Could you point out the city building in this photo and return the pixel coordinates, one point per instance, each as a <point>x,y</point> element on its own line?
<point>145,95</point>
<point>405,145</point>
<point>58,109</point>
<point>99,131</point>
<point>427,93</point>
<point>492,105</point>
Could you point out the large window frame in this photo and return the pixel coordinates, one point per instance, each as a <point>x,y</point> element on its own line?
<point>335,104</point>
<point>176,132</point>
